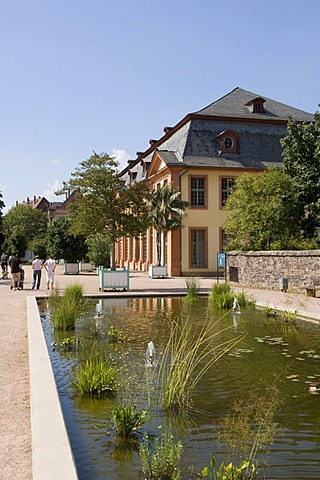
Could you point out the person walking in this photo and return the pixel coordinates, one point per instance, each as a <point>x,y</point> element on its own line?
<point>50,266</point>
<point>36,276</point>
<point>15,263</point>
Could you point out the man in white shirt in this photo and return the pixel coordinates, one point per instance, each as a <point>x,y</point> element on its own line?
<point>50,266</point>
<point>36,267</point>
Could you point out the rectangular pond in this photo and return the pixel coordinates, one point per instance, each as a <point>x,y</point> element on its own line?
<point>272,351</point>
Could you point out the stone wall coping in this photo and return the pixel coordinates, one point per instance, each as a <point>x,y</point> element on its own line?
<point>275,253</point>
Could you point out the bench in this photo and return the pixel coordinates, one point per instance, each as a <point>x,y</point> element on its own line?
<point>314,288</point>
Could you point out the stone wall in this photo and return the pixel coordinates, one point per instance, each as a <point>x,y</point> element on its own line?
<point>264,269</point>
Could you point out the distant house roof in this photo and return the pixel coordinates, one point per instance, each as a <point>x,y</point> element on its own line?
<point>62,208</point>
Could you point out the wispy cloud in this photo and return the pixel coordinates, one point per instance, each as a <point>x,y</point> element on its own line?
<point>122,157</point>
<point>48,192</point>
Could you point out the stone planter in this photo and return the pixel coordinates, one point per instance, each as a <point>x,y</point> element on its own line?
<point>156,271</point>
<point>71,268</point>
<point>113,279</point>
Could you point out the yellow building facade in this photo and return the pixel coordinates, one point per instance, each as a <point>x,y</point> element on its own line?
<point>202,156</point>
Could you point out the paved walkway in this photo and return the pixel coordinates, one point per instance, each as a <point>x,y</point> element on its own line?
<point>15,425</point>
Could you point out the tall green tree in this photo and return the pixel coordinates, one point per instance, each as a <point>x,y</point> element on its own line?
<point>263,212</point>
<point>166,212</point>
<point>2,205</point>
<point>301,161</point>
<point>21,225</point>
<point>104,204</point>
<point>61,243</point>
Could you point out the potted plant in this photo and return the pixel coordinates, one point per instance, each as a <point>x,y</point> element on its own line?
<point>166,212</point>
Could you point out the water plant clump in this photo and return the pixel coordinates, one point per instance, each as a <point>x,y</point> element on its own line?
<point>116,335</point>
<point>74,294</point>
<point>187,356</point>
<point>193,287</point>
<point>64,315</point>
<point>65,309</point>
<point>222,296</point>
<point>126,421</point>
<point>161,462</point>
<point>250,428</point>
<point>70,344</point>
<point>96,375</point>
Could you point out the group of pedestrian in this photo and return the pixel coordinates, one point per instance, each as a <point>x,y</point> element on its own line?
<point>17,272</point>
<point>49,265</point>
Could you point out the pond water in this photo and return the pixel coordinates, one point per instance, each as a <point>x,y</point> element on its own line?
<point>271,349</point>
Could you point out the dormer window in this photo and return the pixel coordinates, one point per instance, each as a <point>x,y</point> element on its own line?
<point>256,105</point>
<point>228,141</point>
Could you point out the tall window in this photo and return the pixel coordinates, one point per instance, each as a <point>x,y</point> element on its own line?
<point>226,185</point>
<point>198,248</point>
<point>198,194</point>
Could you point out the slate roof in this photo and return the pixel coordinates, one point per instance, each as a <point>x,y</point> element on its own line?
<point>194,140</point>
<point>233,104</point>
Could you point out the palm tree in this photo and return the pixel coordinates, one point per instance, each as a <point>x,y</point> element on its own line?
<point>166,212</point>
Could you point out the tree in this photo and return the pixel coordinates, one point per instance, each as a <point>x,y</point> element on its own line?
<point>63,244</point>
<point>166,212</point>
<point>263,212</point>
<point>98,250</point>
<point>301,161</point>
<point>104,204</point>
<point>2,205</point>
<point>21,225</point>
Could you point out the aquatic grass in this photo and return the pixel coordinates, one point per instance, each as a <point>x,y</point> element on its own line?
<point>193,287</point>
<point>161,461</point>
<point>244,300</point>
<point>64,315</point>
<point>250,428</point>
<point>126,421</point>
<point>187,356</point>
<point>65,309</point>
<point>222,296</point>
<point>96,375</point>
<point>74,294</point>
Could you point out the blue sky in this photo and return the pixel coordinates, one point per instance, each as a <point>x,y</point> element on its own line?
<point>84,75</point>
